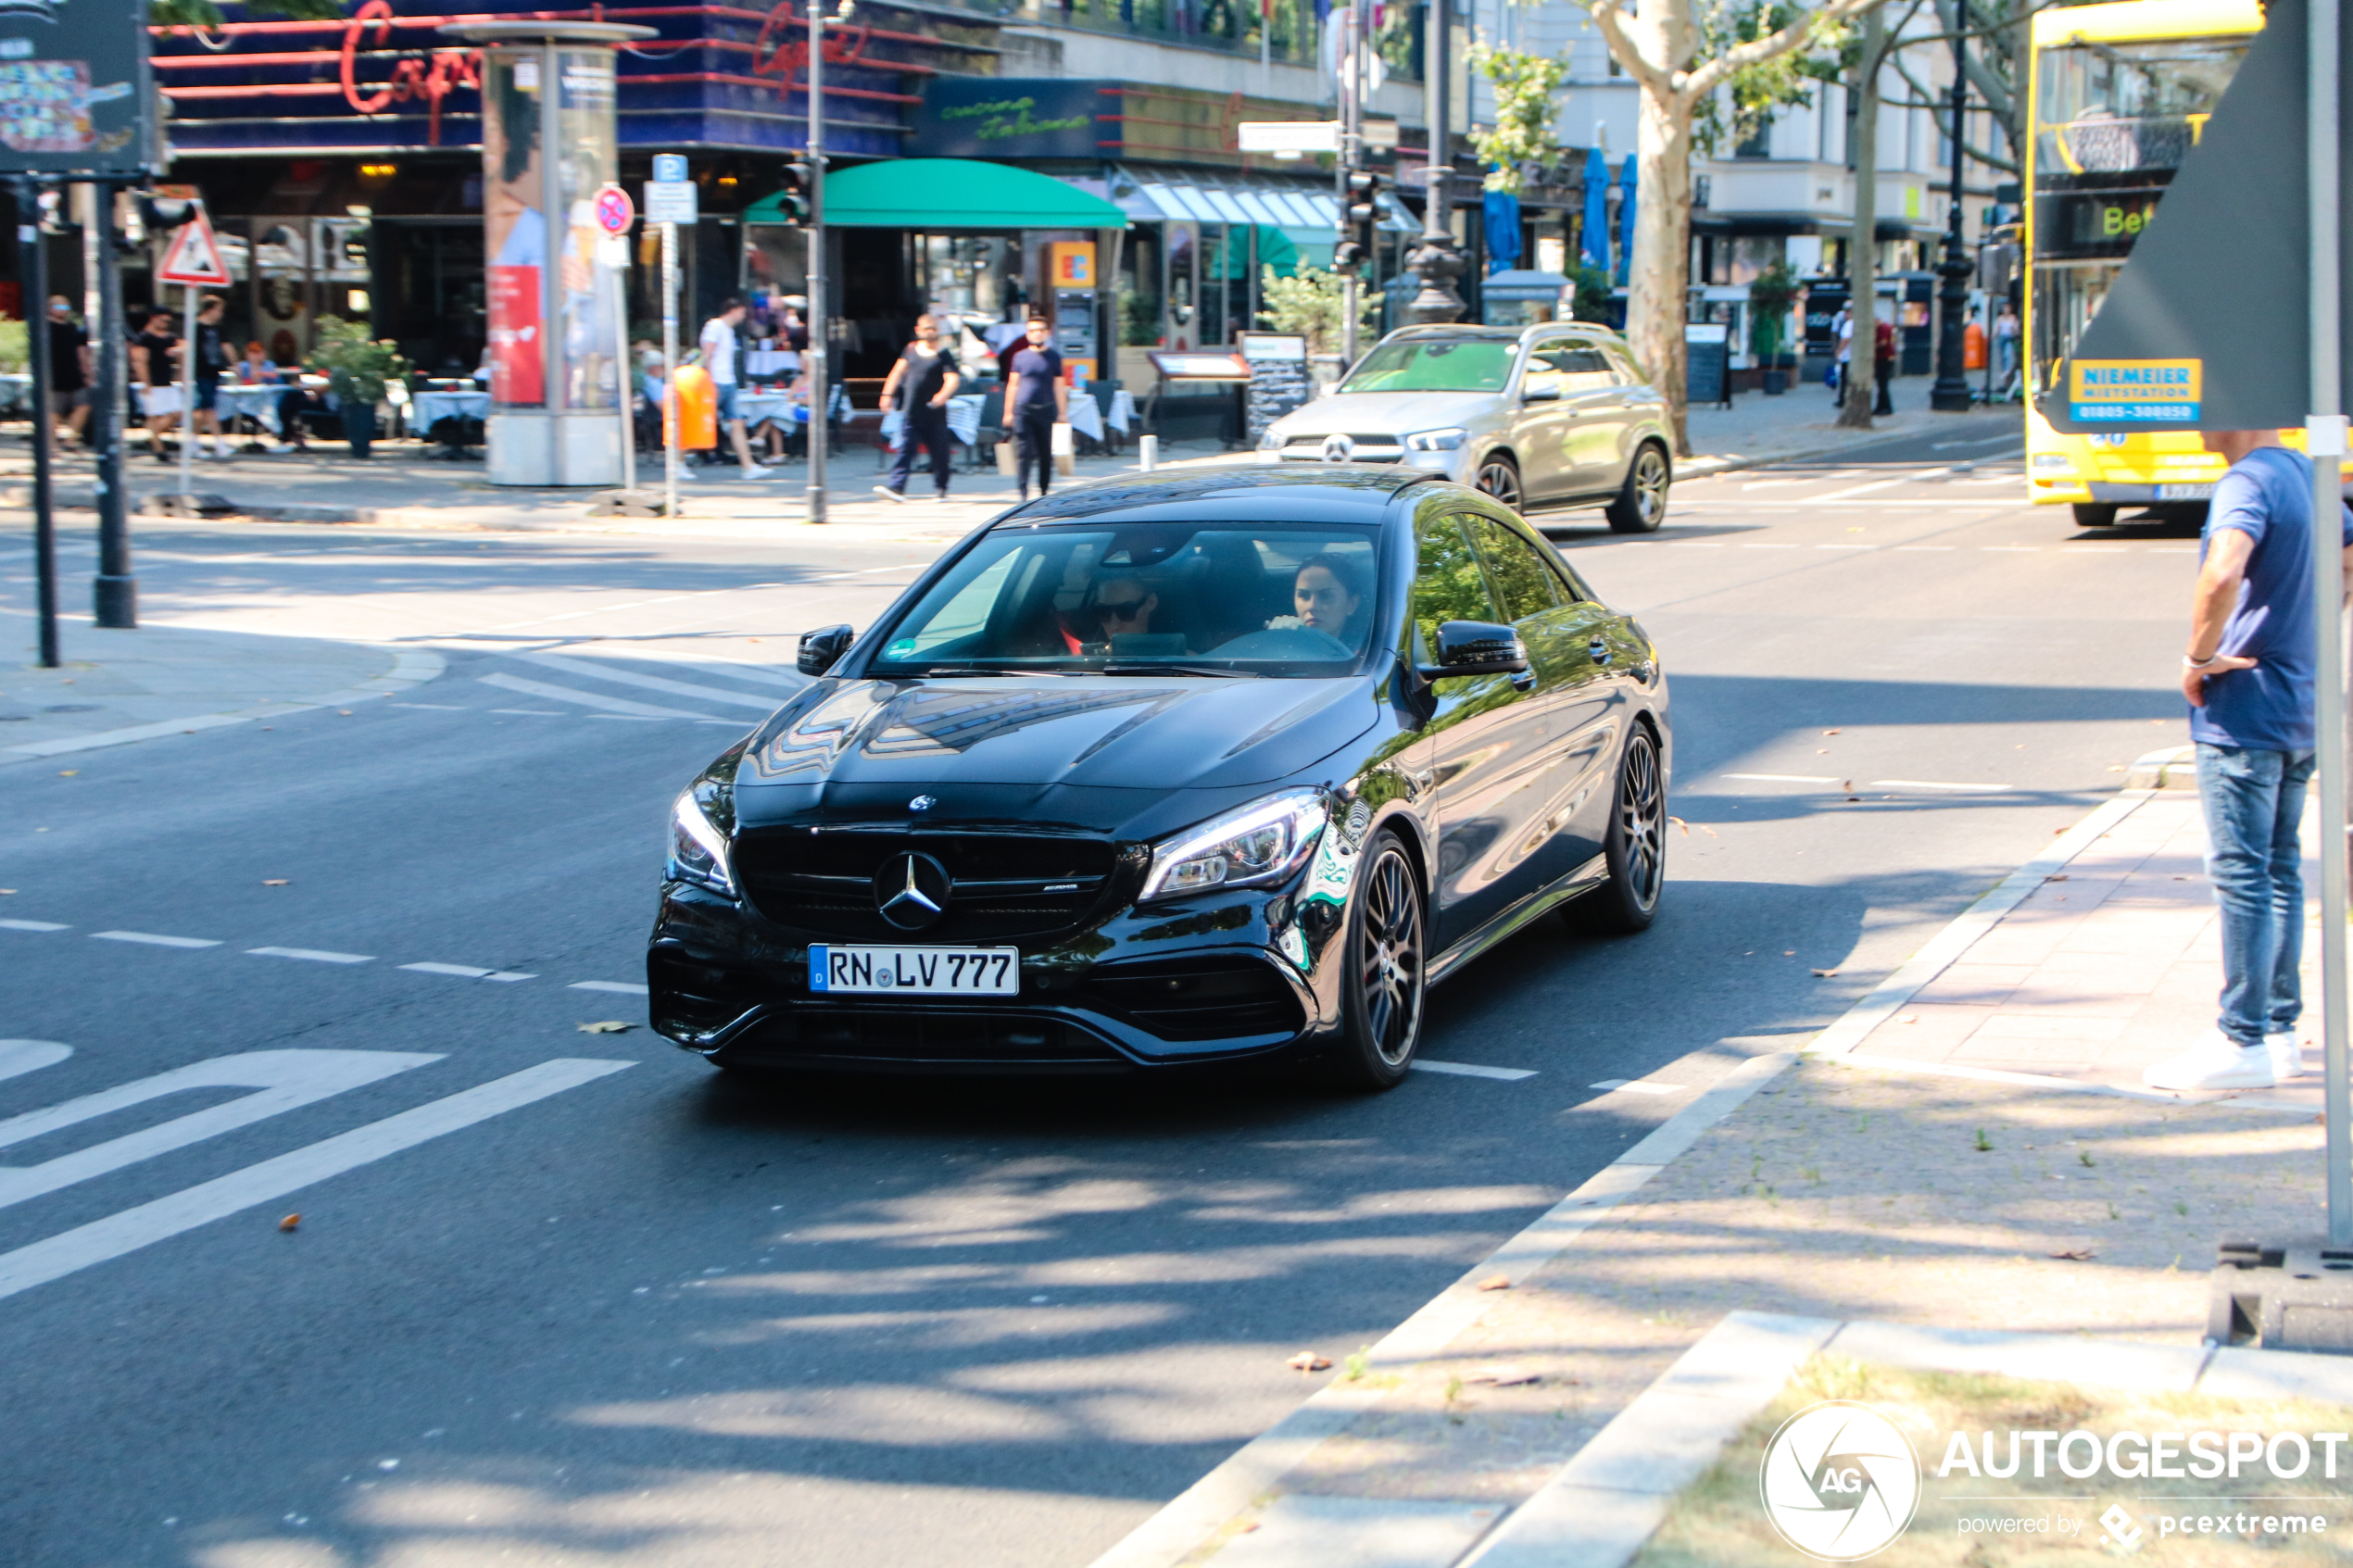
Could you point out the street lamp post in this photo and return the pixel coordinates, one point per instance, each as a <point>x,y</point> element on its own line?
<point>819,390</point>
<point>1435,260</point>
<point>1951,394</point>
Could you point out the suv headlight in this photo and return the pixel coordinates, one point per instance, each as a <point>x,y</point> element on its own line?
<point>1263,842</point>
<point>700,824</point>
<point>1436,440</point>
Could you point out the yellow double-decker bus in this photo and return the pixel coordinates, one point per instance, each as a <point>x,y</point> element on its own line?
<point>2119,94</point>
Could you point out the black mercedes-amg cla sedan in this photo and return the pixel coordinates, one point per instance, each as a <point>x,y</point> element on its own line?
<point>1170,769</point>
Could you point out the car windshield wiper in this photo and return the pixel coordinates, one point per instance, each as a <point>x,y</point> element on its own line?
<point>1179,670</point>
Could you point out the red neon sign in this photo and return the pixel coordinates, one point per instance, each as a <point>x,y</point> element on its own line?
<point>845,45</point>
<point>432,79</point>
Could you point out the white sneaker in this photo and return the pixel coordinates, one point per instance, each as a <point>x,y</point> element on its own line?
<point>887,493</point>
<point>2216,1063</point>
<point>756,471</point>
<point>2287,1055</point>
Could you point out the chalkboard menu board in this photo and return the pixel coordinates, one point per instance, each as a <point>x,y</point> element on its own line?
<point>1708,356</point>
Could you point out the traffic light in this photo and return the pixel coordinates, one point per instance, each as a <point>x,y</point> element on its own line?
<point>1364,198</point>
<point>793,200</point>
<point>160,213</point>
<point>1348,258</point>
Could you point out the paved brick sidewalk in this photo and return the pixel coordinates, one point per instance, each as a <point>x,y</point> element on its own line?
<point>1974,1168</point>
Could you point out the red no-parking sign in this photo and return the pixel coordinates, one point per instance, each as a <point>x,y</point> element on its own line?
<point>615,212</point>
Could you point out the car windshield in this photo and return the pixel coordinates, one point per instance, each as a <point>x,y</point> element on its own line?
<point>1145,598</point>
<point>1435,364</point>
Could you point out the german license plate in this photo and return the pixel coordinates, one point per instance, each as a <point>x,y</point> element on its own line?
<point>921,972</point>
<point>2185,492</point>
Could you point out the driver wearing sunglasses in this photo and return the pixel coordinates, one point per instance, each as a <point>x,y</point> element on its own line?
<point>1118,608</point>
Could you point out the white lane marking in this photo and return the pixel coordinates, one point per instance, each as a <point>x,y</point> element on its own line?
<point>1771,546</point>
<point>32,925</point>
<point>1880,484</point>
<point>314,955</point>
<point>2013,549</point>
<point>1783,778</point>
<point>1925,783</point>
<point>1695,544</point>
<point>152,940</point>
<point>1980,441</point>
<point>586,699</point>
<point>463,972</point>
<point>102,1240</point>
<point>1628,1087</point>
<point>19,1057</point>
<point>1467,1070</point>
<point>436,706</point>
<point>1846,547</point>
<point>651,718</point>
<point>508,976</point>
<point>1927,547</point>
<point>623,987</point>
<point>589,668</point>
<point>283,1081</point>
<point>531,713</point>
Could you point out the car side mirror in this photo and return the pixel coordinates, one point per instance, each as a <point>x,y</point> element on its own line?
<point>1540,394</point>
<point>822,650</point>
<point>1476,647</point>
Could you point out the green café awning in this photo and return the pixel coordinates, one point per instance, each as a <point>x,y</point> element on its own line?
<point>950,192</point>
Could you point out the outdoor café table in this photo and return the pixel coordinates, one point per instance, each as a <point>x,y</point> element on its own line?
<point>429,408</point>
<point>257,402</point>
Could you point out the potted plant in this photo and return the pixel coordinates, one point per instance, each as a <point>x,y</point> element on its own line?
<point>1770,299</point>
<point>357,369</point>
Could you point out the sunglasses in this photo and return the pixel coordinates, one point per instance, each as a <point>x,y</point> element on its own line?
<point>1126,609</point>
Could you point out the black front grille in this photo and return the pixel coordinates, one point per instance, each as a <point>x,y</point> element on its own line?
<point>1003,886</point>
<point>1204,999</point>
<point>932,1038</point>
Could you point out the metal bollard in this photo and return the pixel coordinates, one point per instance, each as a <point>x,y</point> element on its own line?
<point>1148,448</point>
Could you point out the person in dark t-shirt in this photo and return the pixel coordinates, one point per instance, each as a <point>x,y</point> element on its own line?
<point>919,386</point>
<point>69,365</point>
<point>1036,401</point>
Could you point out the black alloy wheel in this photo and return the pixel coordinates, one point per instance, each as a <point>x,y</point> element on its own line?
<point>1635,851</point>
<point>1641,505</point>
<point>1381,1011</point>
<point>1499,477</point>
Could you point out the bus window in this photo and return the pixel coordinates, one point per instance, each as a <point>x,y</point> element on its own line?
<point>2113,123</point>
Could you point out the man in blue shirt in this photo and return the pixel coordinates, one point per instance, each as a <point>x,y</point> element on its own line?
<point>2249,675</point>
<point>1036,401</point>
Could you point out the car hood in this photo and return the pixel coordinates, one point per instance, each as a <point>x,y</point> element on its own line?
<point>1394,412</point>
<point>1052,733</point>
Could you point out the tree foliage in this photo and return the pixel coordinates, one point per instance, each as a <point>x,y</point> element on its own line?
<point>1309,303</point>
<point>1754,93</point>
<point>1524,87</point>
<point>204,13</point>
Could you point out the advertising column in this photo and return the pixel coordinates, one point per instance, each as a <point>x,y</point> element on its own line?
<point>547,149</point>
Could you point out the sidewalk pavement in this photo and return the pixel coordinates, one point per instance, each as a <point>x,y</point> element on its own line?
<point>1969,1150</point>
<point>400,487</point>
<point>117,687</point>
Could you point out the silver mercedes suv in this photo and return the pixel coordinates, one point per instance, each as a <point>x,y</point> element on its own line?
<point>1551,415</point>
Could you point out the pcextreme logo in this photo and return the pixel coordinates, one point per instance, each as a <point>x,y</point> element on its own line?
<point>1840,1482</point>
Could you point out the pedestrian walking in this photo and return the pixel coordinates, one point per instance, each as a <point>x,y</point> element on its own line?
<point>69,369</point>
<point>155,377</point>
<point>1884,363</point>
<point>718,344</point>
<point>1037,400</point>
<point>212,359</point>
<point>1843,349</point>
<point>2249,674</point>
<point>921,381</point>
<point>2006,349</point>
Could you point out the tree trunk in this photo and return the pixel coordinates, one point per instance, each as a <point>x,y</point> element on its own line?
<point>1659,269</point>
<point>1862,249</point>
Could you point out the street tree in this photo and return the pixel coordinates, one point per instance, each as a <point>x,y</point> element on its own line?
<point>1523,134</point>
<point>1858,393</point>
<point>1665,46</point>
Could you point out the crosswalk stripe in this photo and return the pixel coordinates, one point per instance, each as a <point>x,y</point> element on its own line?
<point>586,699</point>
<point>1468,1070</point>
<point>623,987</point>
<point>596,672</point>
<point>19,1057</point>
<point>282,1081</point>
<point>117,1235</point>
<point>32,925</point>
<point>314,955</point>
<point>150,939</point>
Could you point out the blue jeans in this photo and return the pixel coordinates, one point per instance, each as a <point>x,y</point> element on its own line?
<point>2253,800</point>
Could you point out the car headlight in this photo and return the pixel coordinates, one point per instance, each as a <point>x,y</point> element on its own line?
<point>1272,441</point>
<point>1436,440</point>
<point>1263,842</point>
<point>699,823</point>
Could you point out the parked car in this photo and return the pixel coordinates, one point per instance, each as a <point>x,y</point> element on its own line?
<point>1552,415</point>
<point>1171,769</point>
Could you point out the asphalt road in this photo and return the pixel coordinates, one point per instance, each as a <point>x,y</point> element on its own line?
<point>623,1311</point>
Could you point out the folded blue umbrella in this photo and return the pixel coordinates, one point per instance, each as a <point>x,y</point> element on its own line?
<point>1595,249</point>
<point>1502,230</point>
<point>1625,219</point>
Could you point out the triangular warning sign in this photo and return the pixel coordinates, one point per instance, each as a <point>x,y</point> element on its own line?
<point>194,256</point>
